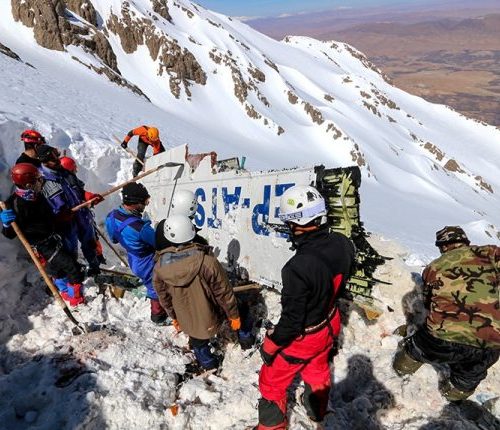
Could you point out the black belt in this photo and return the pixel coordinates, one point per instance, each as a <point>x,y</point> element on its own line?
<point>310,330</point>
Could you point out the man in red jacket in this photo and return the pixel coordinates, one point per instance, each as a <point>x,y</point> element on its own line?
<point>303,339</point>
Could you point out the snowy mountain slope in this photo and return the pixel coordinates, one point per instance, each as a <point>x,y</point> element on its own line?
<point>123,378</point>
<point>309,101</point>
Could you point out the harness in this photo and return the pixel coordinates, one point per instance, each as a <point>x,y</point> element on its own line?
<point>52,239</point>
<point>117,231</point>
<point>333,309</point>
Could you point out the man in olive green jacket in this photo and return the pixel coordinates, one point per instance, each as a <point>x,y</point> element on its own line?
<point>193,288</point>
<point>462,329</point>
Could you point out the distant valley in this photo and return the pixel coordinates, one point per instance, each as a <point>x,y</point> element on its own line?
<point>446,58</point>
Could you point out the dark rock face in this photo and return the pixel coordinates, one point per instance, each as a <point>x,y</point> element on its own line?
<point>7,51</point>
<point>46,19</point>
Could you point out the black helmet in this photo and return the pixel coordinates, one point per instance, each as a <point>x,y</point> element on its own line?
<point>134,193</point>
<point>451,234</point>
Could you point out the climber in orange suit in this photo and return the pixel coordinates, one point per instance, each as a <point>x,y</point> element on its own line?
<point>148,136</point>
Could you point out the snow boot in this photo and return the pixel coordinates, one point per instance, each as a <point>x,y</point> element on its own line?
<point>205,358</point>
<point>315,401</point>
<point>272,415</point>
<point>452,393</point>
<point>158,314</point>
<point>403,363</point>
<point>246,339</point>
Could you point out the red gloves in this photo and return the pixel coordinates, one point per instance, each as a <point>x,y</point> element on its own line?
<point>96,198</point>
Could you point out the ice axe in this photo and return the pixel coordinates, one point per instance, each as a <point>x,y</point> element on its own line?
<point>137,178</point>
<point>130,152</point>
<point>45,277</point>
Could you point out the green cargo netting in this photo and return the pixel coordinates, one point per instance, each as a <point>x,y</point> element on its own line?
<point>340,188</point>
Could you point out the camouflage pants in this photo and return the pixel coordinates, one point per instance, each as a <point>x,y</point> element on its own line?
<point>468,365</point>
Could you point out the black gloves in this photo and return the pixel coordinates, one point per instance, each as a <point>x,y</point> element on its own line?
<point>124,145</point>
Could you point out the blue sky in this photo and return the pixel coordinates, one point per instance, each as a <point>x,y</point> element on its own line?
<point>278,7</point>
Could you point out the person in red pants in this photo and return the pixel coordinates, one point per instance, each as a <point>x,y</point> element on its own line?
<point>303,339</point>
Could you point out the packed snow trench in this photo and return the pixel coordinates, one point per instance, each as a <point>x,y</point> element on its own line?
<point>128,375</point>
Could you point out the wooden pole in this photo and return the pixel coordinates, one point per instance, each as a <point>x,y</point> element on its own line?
<point>46,278</point>
<point>132,153</point>
<point>247,287</point>
<point>119,187</point>
<point>110,245</point>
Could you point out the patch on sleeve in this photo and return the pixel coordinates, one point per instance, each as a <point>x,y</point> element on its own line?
<point>51,189</point>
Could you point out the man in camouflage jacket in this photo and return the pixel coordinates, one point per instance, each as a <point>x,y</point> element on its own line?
<point>462,329</point>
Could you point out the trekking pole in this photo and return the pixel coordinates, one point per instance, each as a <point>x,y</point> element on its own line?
<point>45,277</point>
<point>110,245</point>
<point>137,178</point>
<point>130,152</point>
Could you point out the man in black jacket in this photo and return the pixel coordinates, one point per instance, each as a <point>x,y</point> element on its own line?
<point>34,217</point>
<point>303,339</point>
<point>32,139</point>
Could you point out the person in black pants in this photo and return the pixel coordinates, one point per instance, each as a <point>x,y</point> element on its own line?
<point>29,209</point>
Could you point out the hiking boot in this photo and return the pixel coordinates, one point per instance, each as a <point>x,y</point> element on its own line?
<point>159,319</point>
<point>454,394</point>
<point>315,402</point>
<point>404,364</point>
<point>402,330</point>
<point>246,340</point>
<point>73,301</point>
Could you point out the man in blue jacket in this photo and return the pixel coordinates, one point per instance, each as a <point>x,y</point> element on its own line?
<point>63,191</point>
<point>126,226</point>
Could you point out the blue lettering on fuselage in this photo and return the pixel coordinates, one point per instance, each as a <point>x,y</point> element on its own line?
<point>232,200</point>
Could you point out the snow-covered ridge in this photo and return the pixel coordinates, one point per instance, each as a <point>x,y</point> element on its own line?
<point>332,107</point>
<point>306,100</point>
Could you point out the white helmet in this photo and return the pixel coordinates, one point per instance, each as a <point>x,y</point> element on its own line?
<point>301,204</point>
<point>184,202</point>
<point>178,229</point>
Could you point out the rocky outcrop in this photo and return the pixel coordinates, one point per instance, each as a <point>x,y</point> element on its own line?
<point>85,9</point>
<point>53,30</point>
<point>336,132</point>
<point>434,150</point>
<point>161,8</point>
<point>178,63</point>
<point>314,113</point>
<point>46,17</point>
<point>357,156</point>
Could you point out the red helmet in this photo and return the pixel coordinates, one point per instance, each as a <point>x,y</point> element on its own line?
<point>32,136</point>
<point>24,174</point>
<point>69,164</point>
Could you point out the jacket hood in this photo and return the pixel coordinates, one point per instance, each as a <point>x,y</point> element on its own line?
<point>180,265</point>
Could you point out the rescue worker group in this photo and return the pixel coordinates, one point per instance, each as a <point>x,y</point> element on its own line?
<point>188,287</point>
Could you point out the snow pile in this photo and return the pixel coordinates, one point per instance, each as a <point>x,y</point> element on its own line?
<point>127,375</point>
